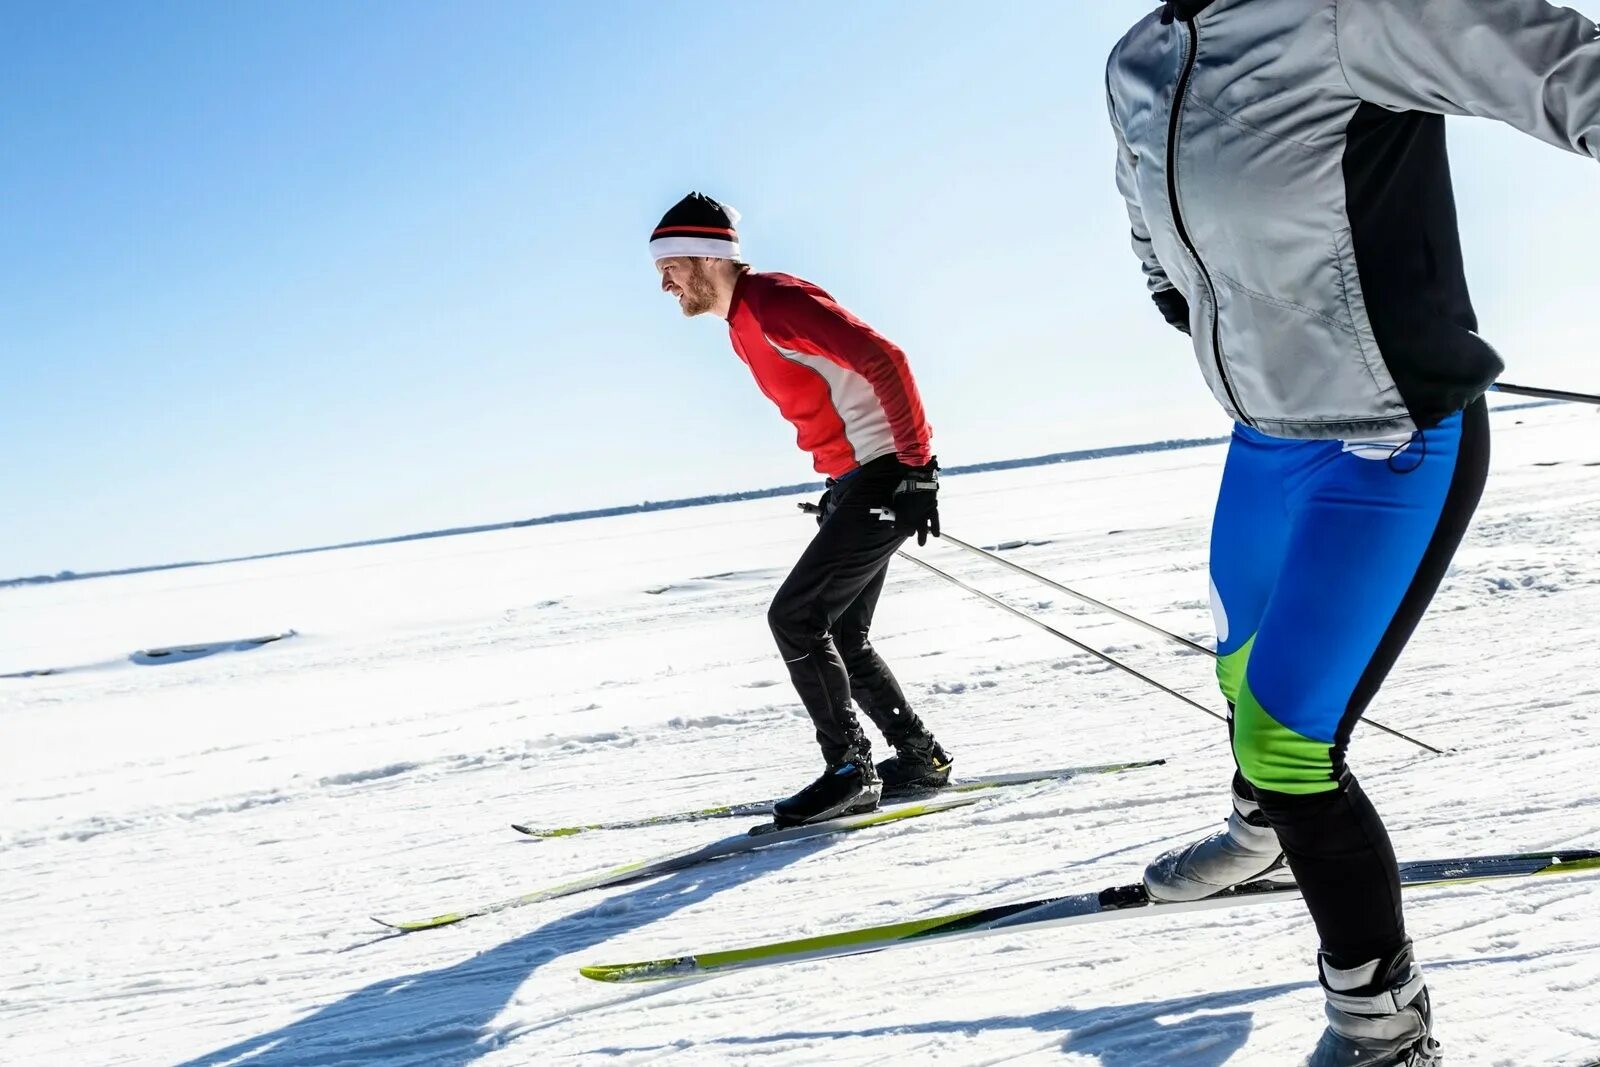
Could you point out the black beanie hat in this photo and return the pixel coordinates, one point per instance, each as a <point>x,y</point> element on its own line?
<point>697,226</point>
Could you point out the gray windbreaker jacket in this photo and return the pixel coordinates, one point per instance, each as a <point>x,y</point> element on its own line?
<point>1285,172</point>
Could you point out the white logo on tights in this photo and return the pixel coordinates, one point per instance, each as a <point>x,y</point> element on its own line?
<point>1380,449</point>
<point>1219,615</point>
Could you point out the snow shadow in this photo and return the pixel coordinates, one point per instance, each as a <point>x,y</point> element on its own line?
<point>1197,1031</point>
<point>183,653</point>
<point>152,657</point>
<point>445,1017</point>
<point>763,576</point>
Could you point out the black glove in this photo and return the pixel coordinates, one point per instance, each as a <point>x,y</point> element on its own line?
<point>1174,308</point>
<point>824,505</point>
<point>916,502</point>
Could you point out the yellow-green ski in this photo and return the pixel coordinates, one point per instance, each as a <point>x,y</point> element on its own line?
<point>755,809</point>
<point>1113,903</point>
<point>758,837</point>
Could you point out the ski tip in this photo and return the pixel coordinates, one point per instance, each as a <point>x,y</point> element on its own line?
<point>649,970</point>
<point>448,919</point>
<point>559,831</point>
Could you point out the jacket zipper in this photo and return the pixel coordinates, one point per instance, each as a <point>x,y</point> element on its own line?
<point>1177,217</point>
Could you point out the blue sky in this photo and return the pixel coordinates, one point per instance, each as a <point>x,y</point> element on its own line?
<point>280,275</point>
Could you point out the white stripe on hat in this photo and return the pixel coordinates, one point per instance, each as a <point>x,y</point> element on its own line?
<point>715,248</point>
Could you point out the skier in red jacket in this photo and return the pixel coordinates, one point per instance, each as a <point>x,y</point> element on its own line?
<point>849,393</point>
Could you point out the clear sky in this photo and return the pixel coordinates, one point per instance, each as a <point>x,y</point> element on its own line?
<point>274,275</point>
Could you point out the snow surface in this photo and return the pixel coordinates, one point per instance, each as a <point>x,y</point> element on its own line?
<point>190,848</point>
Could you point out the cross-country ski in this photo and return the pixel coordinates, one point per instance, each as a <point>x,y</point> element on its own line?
<point>1112,903</point>
<point>764,835</point>
<point>755,809</point>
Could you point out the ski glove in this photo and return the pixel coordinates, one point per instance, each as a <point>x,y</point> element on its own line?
<point>825,504</point>
<point>916,502</point>
<point>1174,308</point>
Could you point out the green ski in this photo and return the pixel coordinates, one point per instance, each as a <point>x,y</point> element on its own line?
<point>1117,902</point>
<point>761,836</point>
<point>757,808</point>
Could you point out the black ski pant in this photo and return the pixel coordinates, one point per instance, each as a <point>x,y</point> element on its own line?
<point>822,613</point>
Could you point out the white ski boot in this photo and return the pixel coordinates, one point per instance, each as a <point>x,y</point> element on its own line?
<point>1243,852</point>
<point>1377,1016</point>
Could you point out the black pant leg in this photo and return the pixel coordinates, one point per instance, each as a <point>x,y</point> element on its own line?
<point>849,553</point>
<point>872,683</point>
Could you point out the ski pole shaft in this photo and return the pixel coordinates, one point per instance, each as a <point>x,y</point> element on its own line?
<point>812,509</point>
<point>1082,597</point>
<point>1546,394</point>
<point>1152,627</point>
<point>1074,642</point>
<point>1392,732</point>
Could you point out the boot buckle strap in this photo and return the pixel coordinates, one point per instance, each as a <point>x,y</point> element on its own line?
<point>1388,1002</point>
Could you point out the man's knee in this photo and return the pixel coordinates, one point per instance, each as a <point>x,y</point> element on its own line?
<point>1275,757</point>
<point>790,619</point>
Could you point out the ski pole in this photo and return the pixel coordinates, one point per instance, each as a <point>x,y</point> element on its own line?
<point>1152,627</point>
<point>812,509</point>
<point>1545,394</point>
<point>1074,642</point>
<point>1083,597</point>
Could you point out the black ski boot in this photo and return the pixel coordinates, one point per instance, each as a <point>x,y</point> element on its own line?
<point>1378,1015</point>
<point>919,765</point>
<point>848,787</point>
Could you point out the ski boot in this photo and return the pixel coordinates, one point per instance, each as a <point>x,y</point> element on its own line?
<point>919,765</point>
<point>1378,1016</point>
<point>849,786</point>
<point>1243,852</point>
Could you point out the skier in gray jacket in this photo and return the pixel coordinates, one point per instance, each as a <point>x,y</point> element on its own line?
<point>1285,173</point>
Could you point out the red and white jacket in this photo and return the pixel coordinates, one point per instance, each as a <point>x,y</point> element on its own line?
<point>846,388</point>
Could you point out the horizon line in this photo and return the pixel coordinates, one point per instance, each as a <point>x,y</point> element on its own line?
<point>1073,456</point>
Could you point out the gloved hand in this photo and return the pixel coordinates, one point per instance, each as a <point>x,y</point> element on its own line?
<point>916,502</point>
<point>1173,307</point>
<point>824,504</point>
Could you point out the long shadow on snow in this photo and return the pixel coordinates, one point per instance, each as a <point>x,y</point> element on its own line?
<point>1123,1035</point>
<point>444,1017</point>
